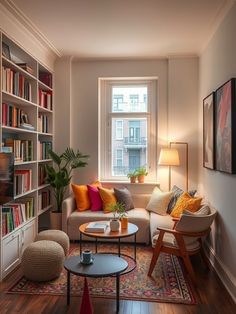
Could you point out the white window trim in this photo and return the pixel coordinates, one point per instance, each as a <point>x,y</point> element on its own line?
<point>105,116</point>
<point>119,127</point>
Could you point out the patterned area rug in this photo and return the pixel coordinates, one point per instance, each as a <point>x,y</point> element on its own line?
<point>168,284</point>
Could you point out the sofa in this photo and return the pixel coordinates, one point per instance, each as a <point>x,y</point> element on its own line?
<point>72,219</point>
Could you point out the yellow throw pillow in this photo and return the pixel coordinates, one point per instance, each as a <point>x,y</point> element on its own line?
<point>81,196</point>
<point>108,198</point>
<point>185,201</point>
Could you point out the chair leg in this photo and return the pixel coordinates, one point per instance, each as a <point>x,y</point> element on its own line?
<point>189,267</point>
<point>156,253</point>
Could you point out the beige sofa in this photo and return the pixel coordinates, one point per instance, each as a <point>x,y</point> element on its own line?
<point>72,219</point>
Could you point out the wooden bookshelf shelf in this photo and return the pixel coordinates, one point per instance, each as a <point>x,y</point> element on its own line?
<point>24,76</point>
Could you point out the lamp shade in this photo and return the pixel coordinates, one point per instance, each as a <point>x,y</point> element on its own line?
<point>169,157</point>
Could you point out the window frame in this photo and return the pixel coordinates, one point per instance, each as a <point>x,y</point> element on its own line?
<point>105,125</point>
<point>122,130</point>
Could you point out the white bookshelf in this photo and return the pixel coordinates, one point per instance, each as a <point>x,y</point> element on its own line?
<point>39,80</point>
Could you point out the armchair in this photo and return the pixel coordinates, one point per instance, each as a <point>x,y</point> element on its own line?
<point>184,240</point>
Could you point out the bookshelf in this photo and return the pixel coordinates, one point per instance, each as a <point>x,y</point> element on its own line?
<point>26,129</point>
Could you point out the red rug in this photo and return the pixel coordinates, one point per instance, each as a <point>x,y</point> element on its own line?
<point>168,284</point>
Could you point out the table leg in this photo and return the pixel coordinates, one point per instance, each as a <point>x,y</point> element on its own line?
<point>68,288</point>
<point>96,245</point>
<point>80,243</point>
<point>135,247</point>
<point>117,293</point>
<point>119,247</point>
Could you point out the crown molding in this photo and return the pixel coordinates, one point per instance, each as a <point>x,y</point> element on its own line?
<point>29,25</point>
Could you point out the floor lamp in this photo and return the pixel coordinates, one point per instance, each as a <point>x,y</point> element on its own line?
<point>169,157</point>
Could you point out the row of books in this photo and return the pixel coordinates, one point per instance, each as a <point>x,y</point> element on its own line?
<point>13,116</point>
<point>44,199</point>
<point>43,148</point>
<point>13,215</point>
<point>23,149</point>
<point>43,123</point>
<point>45,99</point>
<point>41,175</point>
<point>15,83</point>
<point>22,181</point>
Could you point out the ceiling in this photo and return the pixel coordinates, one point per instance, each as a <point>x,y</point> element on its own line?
<point>125,28</point>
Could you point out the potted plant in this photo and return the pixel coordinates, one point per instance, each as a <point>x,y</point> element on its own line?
<point>132,176</point>
<point>115,221</point>
<point>141,174</point>
<point>59,176</point>
<point>122,214</point>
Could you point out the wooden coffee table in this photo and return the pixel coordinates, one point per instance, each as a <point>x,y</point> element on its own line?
<point>108,234</point>
<point>104,265</point>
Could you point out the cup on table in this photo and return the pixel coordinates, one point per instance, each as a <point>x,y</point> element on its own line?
<point>86,257</point>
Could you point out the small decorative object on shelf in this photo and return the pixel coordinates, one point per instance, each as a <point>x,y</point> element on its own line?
<point>132,176</point>
<point>6,51</point>
<point>141,174</point>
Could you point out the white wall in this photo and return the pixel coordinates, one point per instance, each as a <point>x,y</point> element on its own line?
<point>217,65</point>
<point>181,74</point>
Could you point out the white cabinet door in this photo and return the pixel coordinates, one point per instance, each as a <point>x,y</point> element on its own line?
<point>28,234</point>
<point>11,248</point>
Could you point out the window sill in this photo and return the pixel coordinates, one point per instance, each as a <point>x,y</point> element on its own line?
<point>129,183</point>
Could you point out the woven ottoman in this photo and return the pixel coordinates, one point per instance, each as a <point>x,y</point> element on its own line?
<point>42,260</point>
<point>55,235</point>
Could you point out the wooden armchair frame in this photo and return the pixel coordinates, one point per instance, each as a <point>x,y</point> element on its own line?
<point>181,250</point>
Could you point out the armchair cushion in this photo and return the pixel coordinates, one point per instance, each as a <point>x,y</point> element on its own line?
<point>177,192</point>
<point>204,210</point>
<point>170,241</point>
<point>185,201</point>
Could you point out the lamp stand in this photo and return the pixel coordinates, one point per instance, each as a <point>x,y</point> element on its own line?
<point>186,162</point>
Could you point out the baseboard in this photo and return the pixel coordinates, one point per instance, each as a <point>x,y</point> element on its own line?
<point>227,278</point>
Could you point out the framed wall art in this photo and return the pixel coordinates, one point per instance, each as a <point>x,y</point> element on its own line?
<point>208,132</point>
<point>225,127</point>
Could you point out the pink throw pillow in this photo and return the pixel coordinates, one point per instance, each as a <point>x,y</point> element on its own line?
<point>95,198</point>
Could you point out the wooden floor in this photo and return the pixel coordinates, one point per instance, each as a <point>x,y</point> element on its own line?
<point>211,296</point>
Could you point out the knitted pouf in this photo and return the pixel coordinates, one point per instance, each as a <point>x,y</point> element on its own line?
<point>55,235</point>
<point>42,260</point>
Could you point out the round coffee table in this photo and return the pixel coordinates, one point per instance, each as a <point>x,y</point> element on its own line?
<point>104,265</point>
<point>108,234</point>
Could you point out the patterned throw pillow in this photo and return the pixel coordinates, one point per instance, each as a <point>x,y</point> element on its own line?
<point>108,198</point>
<point>185,201</point>
<point>177,192</point>
<point>159,201</point>
<point>124,196</point>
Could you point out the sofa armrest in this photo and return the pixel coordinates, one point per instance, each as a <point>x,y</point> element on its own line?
<point>68,206</point>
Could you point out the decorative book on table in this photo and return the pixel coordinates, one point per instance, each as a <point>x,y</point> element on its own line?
<point>99,226</point>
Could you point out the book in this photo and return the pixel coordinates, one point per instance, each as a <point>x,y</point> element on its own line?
<point>99,226</point>
<point>25,67</point>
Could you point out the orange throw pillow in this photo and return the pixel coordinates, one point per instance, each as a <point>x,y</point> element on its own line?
<point>185,201</point>
<point>108,198</point>
<point>81,195</point>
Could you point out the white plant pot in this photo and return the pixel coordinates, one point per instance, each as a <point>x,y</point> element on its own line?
<point>114,225</point>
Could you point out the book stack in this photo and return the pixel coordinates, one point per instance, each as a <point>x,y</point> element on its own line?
<point>23,149</point>
<point>41,175</point>
<point>45,99</point>
<point>13,215</point>
<point>44,199</point>
<point>26,67</point>
<point>13,116</point>
<point>46,78</point>
<point>99,226</point>
<point>42,123</point>
<point>43,148</point>
<point>22,181</point>
<point>15,83</point>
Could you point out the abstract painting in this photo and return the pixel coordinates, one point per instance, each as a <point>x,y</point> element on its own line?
<point>208,132</point>
<point>225,114</point>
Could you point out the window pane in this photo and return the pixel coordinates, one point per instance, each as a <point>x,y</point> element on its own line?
<point>129,153</point>
<point>129,99</point>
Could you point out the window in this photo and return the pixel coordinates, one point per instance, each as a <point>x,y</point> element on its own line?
<point>119,129</point>
<point>127,118</point>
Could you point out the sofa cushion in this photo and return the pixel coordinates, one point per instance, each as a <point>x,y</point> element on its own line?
<point>138,216</point>
<point>159,201</point>
<point>161,222</point>
<point>81,196</point>
<point>185,201</point>
<point>177,192</point>
<point>95,198</point>
<point>123,196</point>
<point>108,198</point>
